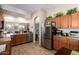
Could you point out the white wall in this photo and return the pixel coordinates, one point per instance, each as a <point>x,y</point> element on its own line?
<point>60,8</point>
<point>42,17</point>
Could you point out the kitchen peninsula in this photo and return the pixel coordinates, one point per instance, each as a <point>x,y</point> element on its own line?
<point>21,38</point>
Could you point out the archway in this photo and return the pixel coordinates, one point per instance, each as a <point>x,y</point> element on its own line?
<point>36,29</point>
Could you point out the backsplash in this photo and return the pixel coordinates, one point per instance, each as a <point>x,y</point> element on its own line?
<point>68,30</point>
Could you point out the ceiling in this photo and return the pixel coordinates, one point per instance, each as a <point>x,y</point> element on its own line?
<point>50,8</point>
<point>30,8</point>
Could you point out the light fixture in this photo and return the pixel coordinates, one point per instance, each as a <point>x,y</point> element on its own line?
<point>21,20</point>
<point>9,18</point>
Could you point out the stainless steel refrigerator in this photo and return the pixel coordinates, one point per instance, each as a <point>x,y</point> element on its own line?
<point>47,41</point>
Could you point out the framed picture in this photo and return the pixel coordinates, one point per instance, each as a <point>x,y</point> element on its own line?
<point>1,24</point>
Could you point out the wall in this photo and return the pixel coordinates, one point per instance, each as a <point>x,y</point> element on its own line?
<point>10,9</point>
<point>12,21</point>
<point>60,8</point>
<point>41,15</point>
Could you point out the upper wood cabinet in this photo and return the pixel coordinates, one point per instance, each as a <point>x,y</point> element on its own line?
<point>58,22</point>
<point>66,21</point>
<point>75,20</point>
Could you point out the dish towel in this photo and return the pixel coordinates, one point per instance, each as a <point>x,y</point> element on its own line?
<point>2,47</point>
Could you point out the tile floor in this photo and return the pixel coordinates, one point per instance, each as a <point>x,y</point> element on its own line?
<point>31,49</point>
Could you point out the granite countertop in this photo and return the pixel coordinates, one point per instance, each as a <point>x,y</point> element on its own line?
<point>73,37</point>
<point>21,33</point>
<point>69,37</point>
<point>5,39</point>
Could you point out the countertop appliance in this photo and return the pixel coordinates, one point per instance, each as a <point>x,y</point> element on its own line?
<point>74,34</point>
<point>59,32</point>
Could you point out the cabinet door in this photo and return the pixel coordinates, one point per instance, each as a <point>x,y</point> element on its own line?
<point>56,43</point>
<point>17,39</point>
<point>23,40</point>
<point>13,40</point>
<point>75,20</point>
<point>64,42</point>
<point>74,44</point>
<point>65,21</point>
<point>58,22</point>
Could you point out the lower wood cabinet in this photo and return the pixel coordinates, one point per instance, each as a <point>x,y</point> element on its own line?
<point>18,39</point>
<point>74,44</point>
<point>60,41</point>
<point>56,43</point>
<point>13,41</point>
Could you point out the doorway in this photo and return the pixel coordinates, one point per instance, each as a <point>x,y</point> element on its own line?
<point>36,29</point>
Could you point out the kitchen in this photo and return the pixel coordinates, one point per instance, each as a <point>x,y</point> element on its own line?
<point>66,27</point>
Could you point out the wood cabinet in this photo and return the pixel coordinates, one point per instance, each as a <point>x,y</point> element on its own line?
<point>67,21</point>
<point>19,39</point>
<point>60,42</point>
<point>69,43</point>
<point>56,43</point>
<point>64,42</point>
<point>13,41</point>
<point>75,20</point>
<point>24,38</point>
<point>58,22</point>
<point>74,44</point>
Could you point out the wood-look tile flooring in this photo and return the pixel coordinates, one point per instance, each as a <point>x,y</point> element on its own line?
<point>31,49</point>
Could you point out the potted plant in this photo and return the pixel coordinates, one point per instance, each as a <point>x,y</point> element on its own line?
<point>71,11</point>
<point>49,17</point>
<point>59,14</point>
